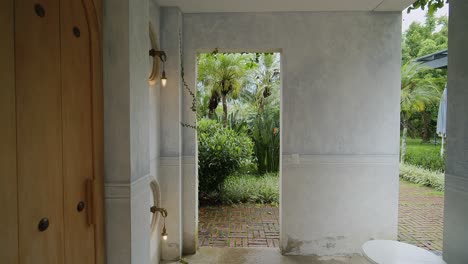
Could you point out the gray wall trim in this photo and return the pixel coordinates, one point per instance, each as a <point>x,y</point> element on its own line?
<point>456,183</point>
<point>295,159</point>
<point>126,190</point>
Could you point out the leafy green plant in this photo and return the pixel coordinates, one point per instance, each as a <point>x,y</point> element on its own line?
<point>244,188</point>
<point>223,75</point>
<point>415,96</point>
<point>266,137</point>
<point>432,5</point>
<point>422,176</point>
<point>429,159</point>
<point>220,152</point>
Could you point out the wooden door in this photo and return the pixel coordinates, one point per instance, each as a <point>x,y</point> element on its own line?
<point>39,131</point>
<point>53,111</point>
<point>77,129</point>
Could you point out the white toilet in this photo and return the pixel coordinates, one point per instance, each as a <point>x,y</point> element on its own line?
<point>394,252</point>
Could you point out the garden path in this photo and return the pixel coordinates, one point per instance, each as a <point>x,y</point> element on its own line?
<point>420,222</point>
<point>420,216</point>
<point>239,226</point>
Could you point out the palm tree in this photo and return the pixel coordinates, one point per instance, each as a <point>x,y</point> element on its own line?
<point>223,76</point>
<point>416,94</point>
<point>265,78</point>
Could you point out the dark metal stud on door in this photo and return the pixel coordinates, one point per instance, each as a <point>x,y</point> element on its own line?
<point>80,206</point>
<point>76,32</point>
<point>40,12</point>
<point>43,224</point>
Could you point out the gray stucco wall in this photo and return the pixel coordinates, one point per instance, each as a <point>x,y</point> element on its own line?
<point>456,176</point>
<point>154,130</point>
<point>131,127</point>
<point>340,114</point>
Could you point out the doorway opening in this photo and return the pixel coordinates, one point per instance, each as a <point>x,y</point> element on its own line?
<point>423,132</point>
<point>238,149</point>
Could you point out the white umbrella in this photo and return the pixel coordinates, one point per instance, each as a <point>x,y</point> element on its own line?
<point>442,119</point>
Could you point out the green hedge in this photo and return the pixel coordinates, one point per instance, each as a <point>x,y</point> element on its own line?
<point>251,189</point>
<point>422,176</point>
<point>221,151</point>
<point>428,158</point>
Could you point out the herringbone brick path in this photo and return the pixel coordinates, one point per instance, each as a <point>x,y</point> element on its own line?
<point>421,215</point>
<point>238,226</point>
<point>420,222</point>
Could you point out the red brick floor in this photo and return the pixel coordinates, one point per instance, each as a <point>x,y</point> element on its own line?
<point>421,215</point>
<point>420,222</point>
<point>238,226</point>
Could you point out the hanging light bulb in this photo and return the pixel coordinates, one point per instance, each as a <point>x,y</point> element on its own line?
<point>163,212</point>
<point>162,56</point>
<point>163,79</point>
<point>164,233</point>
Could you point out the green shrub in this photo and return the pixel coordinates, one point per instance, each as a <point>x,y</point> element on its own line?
<point>220,152</point>
<point>238,188</point>
<point>266,138</point>
<point>428,158</point>
<point>422,176</point>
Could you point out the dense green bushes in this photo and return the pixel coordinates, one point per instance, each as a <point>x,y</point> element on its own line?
<point>239,188</point>
<point>429,158</point>
<point>221,151</point>
<point>266,138</point>
<point>422,176</point>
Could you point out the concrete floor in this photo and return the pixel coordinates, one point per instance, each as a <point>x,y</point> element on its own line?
<point>261,256</point>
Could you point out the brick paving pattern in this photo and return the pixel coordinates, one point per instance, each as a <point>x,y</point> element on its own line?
<point>238,226</point>
<point>420,222</point>
<point>421,215</point>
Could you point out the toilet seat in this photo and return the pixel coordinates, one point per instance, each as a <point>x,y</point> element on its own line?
<point>394,252</point>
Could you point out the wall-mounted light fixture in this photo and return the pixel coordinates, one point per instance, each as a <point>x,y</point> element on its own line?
<point>163,212</point>
<point>162,56</point>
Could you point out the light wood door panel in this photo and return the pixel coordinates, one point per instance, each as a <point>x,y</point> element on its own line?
<point>77,131</point>
<point>51,106</point>
<point>39,131</point>
<point>8,180</point>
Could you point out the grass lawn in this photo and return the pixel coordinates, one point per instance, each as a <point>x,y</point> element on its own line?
<point>424,154</point>
<point>245,188</point>
<point>417,145</point>
<point>429,192</point>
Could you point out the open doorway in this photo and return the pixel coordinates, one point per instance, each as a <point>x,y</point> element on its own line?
<point>238,116</point>
<point>423,118</point>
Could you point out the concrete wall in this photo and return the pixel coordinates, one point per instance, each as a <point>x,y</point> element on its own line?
<point>340,119</point>
<point>131,125</point>
<point>456,176</point>
<point>154,131</point>
<point>170,133</point>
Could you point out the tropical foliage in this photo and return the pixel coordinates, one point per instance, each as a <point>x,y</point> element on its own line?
<point>222,76</point>
<point>247,86</point>
<point>423,39</point>
<point>244,188</point>
<point>416,95</point>
<point>221,151</point>
<point>422,176</point>
<point>431,5</point>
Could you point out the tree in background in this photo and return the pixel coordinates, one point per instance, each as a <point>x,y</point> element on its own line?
<point>265,78</point>
<point>417,94</point>
<point>254,110</point>
<point>431,5</point>
<point>222,75</point>
<point>422,39</point>
<point>265,99</point>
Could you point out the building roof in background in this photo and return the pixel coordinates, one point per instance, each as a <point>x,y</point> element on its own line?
<point>437,60</point>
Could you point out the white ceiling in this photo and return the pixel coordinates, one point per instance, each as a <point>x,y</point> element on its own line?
<point>207,6</point>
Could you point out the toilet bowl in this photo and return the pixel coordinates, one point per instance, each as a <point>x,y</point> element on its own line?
<point>394,252</point>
